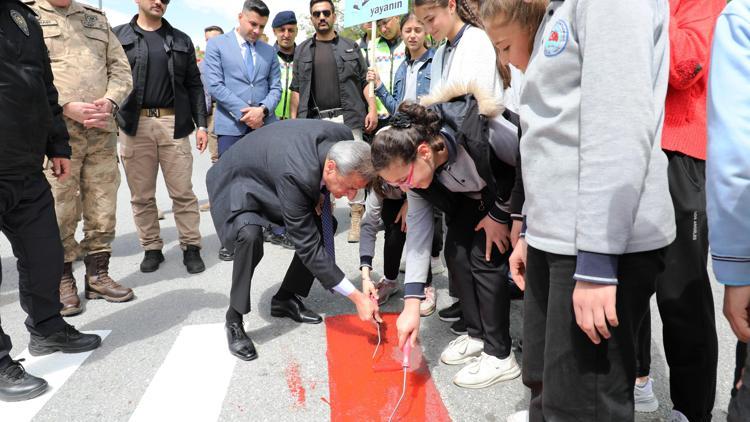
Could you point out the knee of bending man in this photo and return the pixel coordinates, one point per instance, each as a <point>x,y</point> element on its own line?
<point>249,233</point>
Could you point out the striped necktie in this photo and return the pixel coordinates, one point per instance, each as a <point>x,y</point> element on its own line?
<point>249,60</point>
<point>326,218</point>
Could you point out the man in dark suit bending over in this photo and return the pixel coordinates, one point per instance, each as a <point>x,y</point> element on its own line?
<point>282,175</point>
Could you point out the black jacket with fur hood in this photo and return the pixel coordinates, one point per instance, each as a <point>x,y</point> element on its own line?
<point>467,114</point>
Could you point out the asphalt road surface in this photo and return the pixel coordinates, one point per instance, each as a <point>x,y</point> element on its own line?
<point>164,356</point>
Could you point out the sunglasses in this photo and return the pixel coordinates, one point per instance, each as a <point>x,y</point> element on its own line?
<point>317,13</point>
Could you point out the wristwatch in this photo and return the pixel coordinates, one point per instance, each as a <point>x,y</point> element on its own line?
<point>265,110</point>
<point>203,129</point>
<point>115,107</point>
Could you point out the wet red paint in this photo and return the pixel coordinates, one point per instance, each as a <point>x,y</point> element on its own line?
<point>363,388</point>
<point>294,382</point>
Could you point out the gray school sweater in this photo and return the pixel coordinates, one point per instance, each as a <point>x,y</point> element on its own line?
<point>592,112</point>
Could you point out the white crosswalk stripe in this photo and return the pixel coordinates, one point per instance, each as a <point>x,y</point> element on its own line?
<point>193,380</point>
<point>56,369</point>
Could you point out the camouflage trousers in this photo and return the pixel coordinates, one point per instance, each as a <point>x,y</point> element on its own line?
<point>89,193</point>
<point>213,140</point>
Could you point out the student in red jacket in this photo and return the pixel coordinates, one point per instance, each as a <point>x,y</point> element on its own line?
<point>683,291</point>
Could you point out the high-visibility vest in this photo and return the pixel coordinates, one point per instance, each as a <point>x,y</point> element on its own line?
<point>387,63</point>
<point>282,110</point>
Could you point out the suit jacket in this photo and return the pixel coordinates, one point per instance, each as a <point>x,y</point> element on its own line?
<point>273,176</point>
<point>234,89</point>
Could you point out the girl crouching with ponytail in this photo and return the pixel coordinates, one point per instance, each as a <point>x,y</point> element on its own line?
<point>442,157</point>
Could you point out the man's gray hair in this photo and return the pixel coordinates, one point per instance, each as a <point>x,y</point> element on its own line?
<point>352,157</point>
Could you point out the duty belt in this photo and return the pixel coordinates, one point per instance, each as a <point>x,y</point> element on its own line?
<point>330,114</point>
<point>157,112</point>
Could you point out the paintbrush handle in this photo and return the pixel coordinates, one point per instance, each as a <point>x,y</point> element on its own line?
<point>407,353</point>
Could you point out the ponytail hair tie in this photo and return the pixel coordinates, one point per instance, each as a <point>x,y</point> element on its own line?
<point>401,120</point>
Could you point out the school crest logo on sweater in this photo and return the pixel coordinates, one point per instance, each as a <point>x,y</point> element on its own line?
<point>557,40</point>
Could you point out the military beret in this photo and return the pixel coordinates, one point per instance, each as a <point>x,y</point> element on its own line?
<point>284,18</point>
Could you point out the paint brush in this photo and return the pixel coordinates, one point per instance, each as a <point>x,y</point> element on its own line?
<point>375,302</point>
<point>405,365</point>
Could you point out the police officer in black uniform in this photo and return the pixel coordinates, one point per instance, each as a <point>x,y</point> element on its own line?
<point>31,127</point>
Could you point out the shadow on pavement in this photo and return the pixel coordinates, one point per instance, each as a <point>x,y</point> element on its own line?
<point>152,316</point>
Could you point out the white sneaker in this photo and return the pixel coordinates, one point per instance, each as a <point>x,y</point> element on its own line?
<point>386,289</point>
<point>436,265</point>
<point>645,400</point>
<point>522,416</point>
<point>487,370</point>
<point>462,350</point>
<point>427,305</point>
<point>677,416</point>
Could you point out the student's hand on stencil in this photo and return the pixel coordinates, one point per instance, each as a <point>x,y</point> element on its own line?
<point>368,286</point>
<point>737,310</point>
<point>517,263</point>
<point>497,234</point>
<point>407,323</point>
<point>595,309</point>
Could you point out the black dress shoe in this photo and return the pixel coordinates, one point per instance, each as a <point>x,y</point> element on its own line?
<point>240,344</point>
<point>191,257</point>
<point>294,308</point>
<point>67,340</point>
<point>225,255</point>
<point>18,385</point>
<point>286,243</point>
<point>151,261</point>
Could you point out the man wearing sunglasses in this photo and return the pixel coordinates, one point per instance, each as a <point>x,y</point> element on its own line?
<point>330,83</point>
<point>165,107</point>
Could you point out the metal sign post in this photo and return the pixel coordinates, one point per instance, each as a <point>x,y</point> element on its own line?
<point>360,11</point>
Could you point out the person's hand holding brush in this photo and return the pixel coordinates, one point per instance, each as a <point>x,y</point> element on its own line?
<point>407,323</point>
<point>367,309</point>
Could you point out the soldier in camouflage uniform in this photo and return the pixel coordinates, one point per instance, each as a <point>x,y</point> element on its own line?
<point>93,77</point>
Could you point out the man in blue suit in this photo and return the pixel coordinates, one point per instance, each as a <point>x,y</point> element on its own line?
<point>243,77</point>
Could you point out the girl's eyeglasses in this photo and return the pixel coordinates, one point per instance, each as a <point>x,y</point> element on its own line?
<point>406,182</point>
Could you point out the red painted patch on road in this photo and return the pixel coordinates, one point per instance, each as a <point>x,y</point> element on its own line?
<point>366,388</point>
<point>294,382</point>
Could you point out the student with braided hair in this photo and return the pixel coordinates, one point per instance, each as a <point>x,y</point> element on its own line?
<point>457,156</point>
<point>467,58</point>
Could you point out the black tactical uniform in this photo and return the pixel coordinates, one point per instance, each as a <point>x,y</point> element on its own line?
<point>31,127</point>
